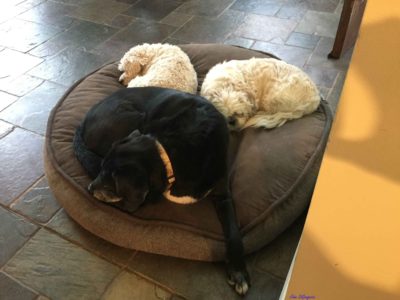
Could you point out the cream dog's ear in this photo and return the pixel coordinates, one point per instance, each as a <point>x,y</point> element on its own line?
<point>142,58</point>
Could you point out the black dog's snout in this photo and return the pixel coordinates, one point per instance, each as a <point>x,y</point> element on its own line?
<point>231,121</point>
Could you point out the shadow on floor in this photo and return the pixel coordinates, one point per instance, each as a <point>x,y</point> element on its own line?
<point>357,150</point>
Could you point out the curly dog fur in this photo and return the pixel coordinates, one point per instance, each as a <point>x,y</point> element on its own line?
<point>161,65</point>
<point>260,92</point>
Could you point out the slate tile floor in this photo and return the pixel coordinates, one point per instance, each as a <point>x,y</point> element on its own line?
<point>46,45</point>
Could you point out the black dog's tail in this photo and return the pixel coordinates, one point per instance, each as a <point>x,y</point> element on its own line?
<point>89,160</point>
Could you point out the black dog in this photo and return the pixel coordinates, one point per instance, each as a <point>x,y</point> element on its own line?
<point>141,144</point>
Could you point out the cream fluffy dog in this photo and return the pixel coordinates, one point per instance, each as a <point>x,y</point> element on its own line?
<point>160,65</point>
<point>260,92</point>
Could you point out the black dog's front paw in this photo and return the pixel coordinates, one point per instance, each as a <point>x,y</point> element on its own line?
<point>239,280</point>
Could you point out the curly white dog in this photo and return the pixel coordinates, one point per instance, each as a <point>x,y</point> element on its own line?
<point>161,65</point>
<point>260,92</point>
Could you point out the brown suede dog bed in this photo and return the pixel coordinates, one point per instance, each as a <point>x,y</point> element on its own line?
<point>272,175</point>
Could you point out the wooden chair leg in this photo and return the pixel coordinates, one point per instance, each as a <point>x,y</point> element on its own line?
<point>349,25</point>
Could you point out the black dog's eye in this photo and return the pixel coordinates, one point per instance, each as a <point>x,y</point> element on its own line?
<point>123,141</point>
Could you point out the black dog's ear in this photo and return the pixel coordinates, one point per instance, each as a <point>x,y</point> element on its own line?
<point>134,134</point>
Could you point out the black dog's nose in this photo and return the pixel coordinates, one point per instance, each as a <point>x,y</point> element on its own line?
<point>231,121</point>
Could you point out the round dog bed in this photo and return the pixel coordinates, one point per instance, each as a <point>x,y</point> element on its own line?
<point>272,175</point>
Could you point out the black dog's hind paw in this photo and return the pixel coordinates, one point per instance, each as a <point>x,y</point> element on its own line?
<point>240,281</point>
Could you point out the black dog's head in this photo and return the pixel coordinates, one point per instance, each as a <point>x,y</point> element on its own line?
<point>130,170</point>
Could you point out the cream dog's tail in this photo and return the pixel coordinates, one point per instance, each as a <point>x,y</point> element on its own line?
<point>262,119</point>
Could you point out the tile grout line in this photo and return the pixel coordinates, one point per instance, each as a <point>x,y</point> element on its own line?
<point>178,28</point>
<point>81,246</point>
<point>23,128</point>
<point>52,231</point>
<point>23,245</point>
<point>24,192</point>
<point>20,283</point>
<point>111,282</point>
<point>31,90</point>
<point>121,267</point>
<point>153,281</point>
<point>8,131</point>
<point>269,274</point>
<point>147,278</point>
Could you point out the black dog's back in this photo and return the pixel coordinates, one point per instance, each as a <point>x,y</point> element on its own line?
<point>89,160</point>
<point>192,131</point>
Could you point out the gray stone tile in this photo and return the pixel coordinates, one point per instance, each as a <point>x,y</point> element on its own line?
<point>319,23</point>
<point>264,287</point>
<point>121,21</point>
<point>319,57</point>
<point>5,128</point>
<point>10,69</point>
<point>339,8</point>
<point>278,41</point>
<point>112,50</point>
<point>79,64</point>
<point>293,55</point>
<point>68,228</point>
<point>175,41</point>
<point>324,91</point>
<point>32,110</point>
<point>49,12</point>
<point>6,100</point>
<point>28,4</point>
<point>12,3</point>
<point>76,2</point>
<point>20,85</point>
<point>176,19</point>
<point>261,7</point>
<point>201,280</point>
<point>192,279</point>
<point>60,270</point>
<point>141,31</point>
<point>14,232</point>
<point>334,96</point>
<point>275,258</point>
<point>322,76</point>
<point>316,5</point>
<point>102,12</point>
<point>83,35</point>
<point>33,34</point>
<point>303,40</point>
<point>271,28</point>
<point>21,163</point>
<point>38,203</point>
<point>130,286</point>
<point>290,12</point>
<point>210,8</point>
<point>238,41</point>
<point>128,1</point>
<point>152,10</point>
<point>207,30</point>
<point>12,290</point>
<point>138,32</point>
<point>10,9</point>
